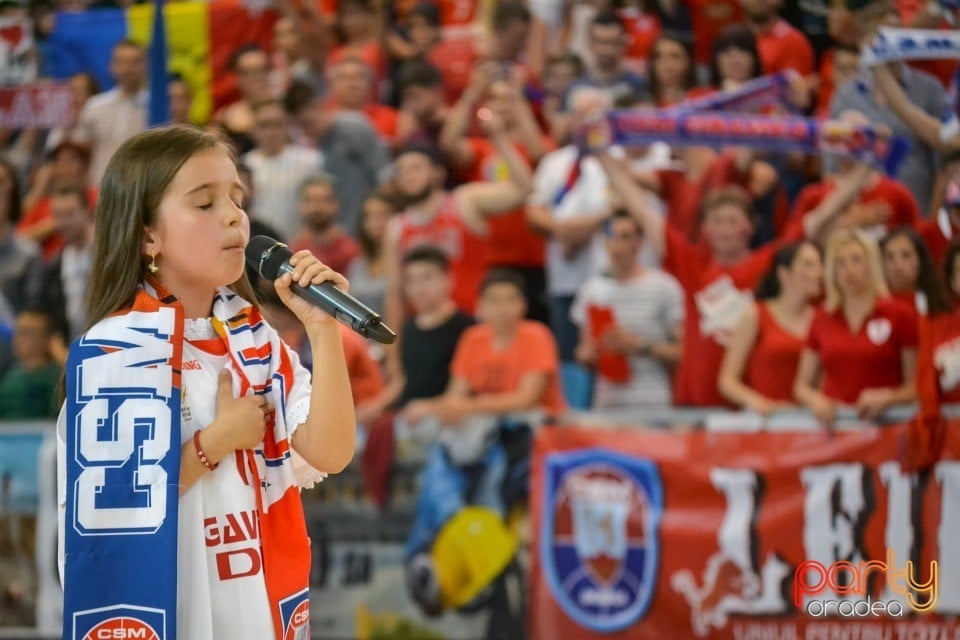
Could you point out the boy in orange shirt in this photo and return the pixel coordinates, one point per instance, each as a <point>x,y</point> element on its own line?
<point>504,365</point>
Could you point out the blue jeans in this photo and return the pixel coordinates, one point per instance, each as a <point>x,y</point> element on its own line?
<point>563,328</point>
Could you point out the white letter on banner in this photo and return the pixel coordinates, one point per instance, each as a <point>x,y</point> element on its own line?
<point>98,375</point>
<point>833,511</point>
<point>149,477</point>
<point>899,533</point>
<point>948,476</point>
<point>762,593</point>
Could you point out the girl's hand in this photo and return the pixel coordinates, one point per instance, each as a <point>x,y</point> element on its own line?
<point>308,270</point>
<point>239,424</point>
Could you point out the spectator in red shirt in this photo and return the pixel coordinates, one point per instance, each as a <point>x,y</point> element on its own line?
<point>455,221</point>
<point>862,346</point>
<point>358,26</point>
<point>881,204</point>
<point>717,278</point>
<point>910,272</point>
<point>735,58</point>
<point>352,85</point>
<point>944,226</point>
<point>709,18</point>
<point>837,66</point>
<point>671,71</point>
<point>251,65</point>
<point>781,46</point>
<point>940,352</point>
<point>513,243</point>
<point>642,25</point>
<point>422,110</point>
<point>559,76</point>
<point>318,207</point>
<point>761,360</point>
<point>510,28</point>
<point>424,39</point>
<point>68,165</point>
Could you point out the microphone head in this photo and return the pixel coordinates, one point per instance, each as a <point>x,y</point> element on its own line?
<point>266,255</point>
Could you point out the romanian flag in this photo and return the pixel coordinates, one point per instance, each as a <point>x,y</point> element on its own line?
<point>200,40</point>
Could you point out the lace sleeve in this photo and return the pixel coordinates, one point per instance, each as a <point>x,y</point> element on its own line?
<point>296,415</point>
<point>306,475</point>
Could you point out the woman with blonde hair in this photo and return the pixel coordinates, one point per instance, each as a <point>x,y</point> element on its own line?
<point>862,346</point>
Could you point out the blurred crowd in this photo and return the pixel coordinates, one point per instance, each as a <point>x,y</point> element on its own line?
<point>426,150</point>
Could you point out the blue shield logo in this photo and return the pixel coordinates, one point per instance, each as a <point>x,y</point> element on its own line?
<point>601,514</point>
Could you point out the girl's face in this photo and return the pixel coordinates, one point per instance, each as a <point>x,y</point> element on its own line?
<point>852,269</point>
<point>670,63</point>
<point>376,214</point>
<point>901,264</point>
<point>201,229</point>
<point>735,64</point>
<point>806,272</point>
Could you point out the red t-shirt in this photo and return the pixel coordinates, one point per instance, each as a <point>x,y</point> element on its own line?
<point>773,361</point>
<point>683,197</point>
<point>642,30</point>
<point>454,58</point>
<point>716,297</point>
<point>337,255</point>
<point>945,355</point>
<point>512,241</point>
<point>467,251</point>
<point>903,206</point>
<point>492,370</point>
<point>827,85</point>
<point>708,18</point>
<point>867,359</point>
<point>784,47</point>
<point>937,232</point>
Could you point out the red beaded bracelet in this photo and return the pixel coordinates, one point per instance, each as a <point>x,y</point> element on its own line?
<point>200,454</point>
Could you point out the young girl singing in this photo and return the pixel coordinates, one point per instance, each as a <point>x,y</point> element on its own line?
<point>185,413</point>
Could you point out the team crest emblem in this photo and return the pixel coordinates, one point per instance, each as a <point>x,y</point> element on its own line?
<point>295,616</point>
<point>124,622</point>
<point>599,546</point>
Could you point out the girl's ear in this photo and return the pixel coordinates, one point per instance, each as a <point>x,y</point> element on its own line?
<point>150,246</point>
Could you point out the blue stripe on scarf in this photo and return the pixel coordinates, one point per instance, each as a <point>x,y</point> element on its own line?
<point>123,470</point>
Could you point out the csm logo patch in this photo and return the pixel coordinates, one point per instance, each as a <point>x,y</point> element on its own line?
<point>295,615</point>
<point>120,622</point>
<point>599,543</point>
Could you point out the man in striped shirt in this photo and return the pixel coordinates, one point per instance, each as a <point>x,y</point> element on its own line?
<point>278,168</point>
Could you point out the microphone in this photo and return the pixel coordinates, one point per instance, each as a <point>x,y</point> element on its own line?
<point>271,259</point>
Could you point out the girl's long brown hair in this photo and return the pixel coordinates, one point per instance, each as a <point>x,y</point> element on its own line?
<point>137,177</point>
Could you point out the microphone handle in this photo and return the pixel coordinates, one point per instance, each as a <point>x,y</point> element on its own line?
<point>344,307</point>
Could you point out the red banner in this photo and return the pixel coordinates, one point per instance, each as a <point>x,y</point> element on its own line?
<point>40,105</point>
<point>774,536</point>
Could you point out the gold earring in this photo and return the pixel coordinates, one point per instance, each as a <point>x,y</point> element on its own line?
<point>152,267</point>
